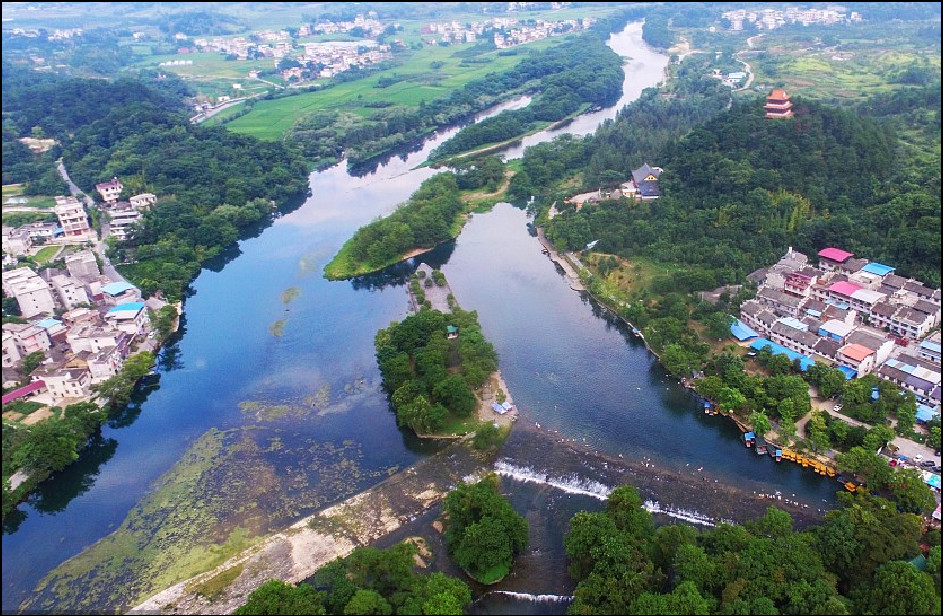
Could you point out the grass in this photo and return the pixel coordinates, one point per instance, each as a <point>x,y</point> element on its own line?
<point>270,119</point>
<point>13,190</point>
<point>46,254</point>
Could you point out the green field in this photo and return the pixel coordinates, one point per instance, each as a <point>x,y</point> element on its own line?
<point>854,63</point>
<point>271,119</point>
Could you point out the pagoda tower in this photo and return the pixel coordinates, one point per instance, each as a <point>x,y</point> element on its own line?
<point>778,105</point>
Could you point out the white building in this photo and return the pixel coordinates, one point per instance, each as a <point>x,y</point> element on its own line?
<point>71,293</point>
<point>82,264</point>
<point>32,294</point>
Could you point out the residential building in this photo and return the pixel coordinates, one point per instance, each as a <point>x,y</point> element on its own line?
<point>82,264</point>
<point>11,352</point>
<point>72,217</point>
<point>65,383</point>
<point>856,357</point>
<point>28,338</point>
<point>122,218</point>
<point>830,258</point>
<point>929,349</point>
<point>70,292</point>
<point>645,179</point>
<point>110,190</point>
<point>778,105</point>
<point>31,292</point>
<point>143,201</point>
<point>16,242</point>
<point>130,318</point>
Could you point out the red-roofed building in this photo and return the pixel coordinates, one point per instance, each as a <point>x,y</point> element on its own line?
<point>831,258</point>
<point>110,190</point>
<point>22,392</point>
<point>842,290</point>
<point>778,105</point>
<point>857,357</point>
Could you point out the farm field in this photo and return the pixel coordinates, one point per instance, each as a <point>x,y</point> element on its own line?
<point>427,74</point>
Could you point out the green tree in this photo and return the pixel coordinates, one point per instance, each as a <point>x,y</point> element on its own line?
<point>32,361</point>
<point>368,602</point>
<point>760,422</point>
<point>277,597</point>
<point>899,588</point>
<point>484,532</point>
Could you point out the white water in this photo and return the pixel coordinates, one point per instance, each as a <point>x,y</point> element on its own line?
<point>682,514</point>
<point>524,596</point>
<point>571,484</point>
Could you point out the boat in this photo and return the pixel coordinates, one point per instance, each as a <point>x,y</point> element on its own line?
<point>774,452</point>
<point>637,332</point>
<point>748,439</point>
<point>707,408</point>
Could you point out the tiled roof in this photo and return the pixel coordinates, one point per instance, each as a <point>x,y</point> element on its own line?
<point>856,352</point>
<point>844,288</point>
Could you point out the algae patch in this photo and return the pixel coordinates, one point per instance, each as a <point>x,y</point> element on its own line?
<point>278,328</point>
<point>290,294</point>
<point>228,490</point>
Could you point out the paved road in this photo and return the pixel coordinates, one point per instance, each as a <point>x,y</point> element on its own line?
<point>100,246</point>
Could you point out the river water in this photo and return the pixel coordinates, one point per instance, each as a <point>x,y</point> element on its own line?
<point>268,328</point>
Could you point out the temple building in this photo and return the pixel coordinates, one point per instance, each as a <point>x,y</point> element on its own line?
<point>778,105</point>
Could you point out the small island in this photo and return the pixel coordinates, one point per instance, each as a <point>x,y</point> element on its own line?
<point>438,368</point>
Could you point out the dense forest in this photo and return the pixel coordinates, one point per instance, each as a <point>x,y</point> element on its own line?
<point>213,185</point>
<point>429,376</point>
<point>855,562</point>
<point>739,189</point>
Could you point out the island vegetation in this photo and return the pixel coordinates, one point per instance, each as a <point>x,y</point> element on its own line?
<point>431,377</point>
<point>483,532</point>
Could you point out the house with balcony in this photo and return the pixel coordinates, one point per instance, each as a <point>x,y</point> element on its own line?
<point>31,292</point>
<point>110,191</point>
<point>831,258</point>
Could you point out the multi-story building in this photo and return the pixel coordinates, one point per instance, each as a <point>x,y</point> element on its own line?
<point>72,217</point>
<point>31,292</point>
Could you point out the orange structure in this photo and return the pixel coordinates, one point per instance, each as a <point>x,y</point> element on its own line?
<point>778,105</point>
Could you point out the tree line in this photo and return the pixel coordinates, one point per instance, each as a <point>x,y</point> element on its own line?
<point>855,562</point>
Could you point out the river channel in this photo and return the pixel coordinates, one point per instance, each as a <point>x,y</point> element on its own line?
<point>281,360</point>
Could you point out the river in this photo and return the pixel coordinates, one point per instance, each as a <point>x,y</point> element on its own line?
<point>266,329</point>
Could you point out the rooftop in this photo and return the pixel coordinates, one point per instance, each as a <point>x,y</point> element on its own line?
<point>856,352</point>
<point>879,269</point>
<point>835,254</point>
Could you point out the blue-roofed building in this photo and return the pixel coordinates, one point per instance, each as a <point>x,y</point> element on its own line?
<point>930,349</point>
<point>741,331</point>
<point>926,413</point>
<point>849,373</point>
<point>115,289</point>
<point>135,306</point>
<point>48,322</point>
<point>804,361</point>
<point>130,318</point>
<point>878,269</point>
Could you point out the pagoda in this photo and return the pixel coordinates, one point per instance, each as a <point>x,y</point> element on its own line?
<point>778,105</point>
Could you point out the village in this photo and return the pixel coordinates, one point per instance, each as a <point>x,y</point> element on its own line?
<point>506,31</point>
<point>770,19</point>
<point>79,319</point>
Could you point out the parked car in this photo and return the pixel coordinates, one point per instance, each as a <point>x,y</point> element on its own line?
<point>918,457</point>
<point>928,464</point>
<point>837,408</point>
<point>936,469</point>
